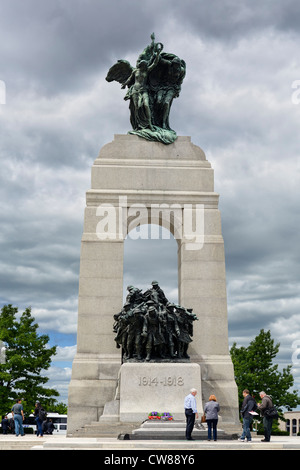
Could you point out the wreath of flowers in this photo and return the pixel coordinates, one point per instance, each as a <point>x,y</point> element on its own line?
<point>154,415</point>
<point>165,416</point>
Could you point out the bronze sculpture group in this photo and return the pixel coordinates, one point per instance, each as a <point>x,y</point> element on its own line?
<point>149,327</point>
<point>152,85</point>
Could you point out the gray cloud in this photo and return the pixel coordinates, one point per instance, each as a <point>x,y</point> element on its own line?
<point>235,103</point>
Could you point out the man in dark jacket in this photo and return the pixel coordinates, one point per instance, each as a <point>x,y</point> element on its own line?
<point>249,405</point>
<point>5,424</point>
<point>266,403</point>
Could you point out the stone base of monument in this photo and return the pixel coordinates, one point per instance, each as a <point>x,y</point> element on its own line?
<point>157,387</point>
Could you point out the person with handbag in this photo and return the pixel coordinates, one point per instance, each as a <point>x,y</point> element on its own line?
<point>211,409</point>
<point>264,406</point>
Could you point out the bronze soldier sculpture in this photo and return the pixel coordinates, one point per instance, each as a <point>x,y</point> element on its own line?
<point>149,327</point>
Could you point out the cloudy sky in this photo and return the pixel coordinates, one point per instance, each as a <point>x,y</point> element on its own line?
<point>239,102</point>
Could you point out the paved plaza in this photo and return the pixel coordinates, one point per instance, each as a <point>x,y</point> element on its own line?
<point>30,442</point>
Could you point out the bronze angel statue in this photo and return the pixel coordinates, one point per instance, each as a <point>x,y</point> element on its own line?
<point>152,85</point>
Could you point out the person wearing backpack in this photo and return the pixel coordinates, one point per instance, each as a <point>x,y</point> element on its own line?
<point>266,404</point>
<point>40,416</point>
<point>248,405</point>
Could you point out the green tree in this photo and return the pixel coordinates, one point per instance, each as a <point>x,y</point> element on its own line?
<point>27,355</point>
<point>255,370</point>
<point>60,408</point>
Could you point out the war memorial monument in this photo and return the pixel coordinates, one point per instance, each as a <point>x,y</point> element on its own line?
<point>144,354</point>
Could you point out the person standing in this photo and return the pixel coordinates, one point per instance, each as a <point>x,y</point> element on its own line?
<point>39,418</point>
<point>11,425</point>
<point>249,405</point>
<point>4,424</point>
<point>18,416</point>
<point>211,409</point>
<point>190,408</point>
<point>266,403</point>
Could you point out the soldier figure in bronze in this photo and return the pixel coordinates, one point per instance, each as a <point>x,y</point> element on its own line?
<point>149,327</point>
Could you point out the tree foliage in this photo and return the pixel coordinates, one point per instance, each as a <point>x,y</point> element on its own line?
<point>255,370</point>
<point>59,407</point>
<point>27,355</point>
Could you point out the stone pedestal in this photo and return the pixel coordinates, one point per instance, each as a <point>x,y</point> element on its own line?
<point>136,182</point>
<point>159,387</point>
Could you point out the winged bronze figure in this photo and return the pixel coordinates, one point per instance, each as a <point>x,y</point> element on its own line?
<point>152,85</point>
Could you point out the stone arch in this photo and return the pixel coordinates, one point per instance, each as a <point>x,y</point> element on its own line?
<point>168,216</point>
<point>147,258</point>
<point>147,176</point>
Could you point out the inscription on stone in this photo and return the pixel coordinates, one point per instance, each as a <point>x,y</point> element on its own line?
<point>170,381</point>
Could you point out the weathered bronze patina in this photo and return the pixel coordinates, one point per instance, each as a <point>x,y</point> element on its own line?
<point>152,85</point>
<point>149,327</point>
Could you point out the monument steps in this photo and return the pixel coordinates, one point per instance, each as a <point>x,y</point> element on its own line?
<point>148,430</point>
<point>174,429</point>
<point>105,429</point>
